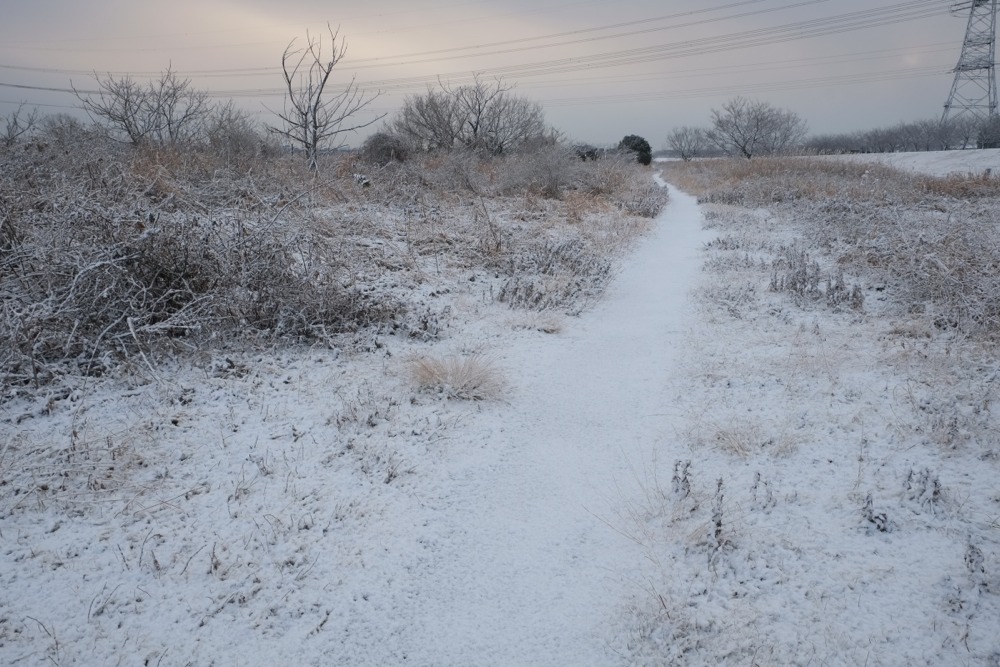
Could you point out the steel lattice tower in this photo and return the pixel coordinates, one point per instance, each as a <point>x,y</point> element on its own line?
<point>974,91</point>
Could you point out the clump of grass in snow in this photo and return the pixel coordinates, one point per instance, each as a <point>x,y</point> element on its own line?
<point>474,377</point>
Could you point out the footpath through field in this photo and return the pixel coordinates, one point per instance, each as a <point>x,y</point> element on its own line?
<point>531,570</point>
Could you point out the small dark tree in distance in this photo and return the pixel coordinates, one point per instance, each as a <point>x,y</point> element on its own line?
<point>643,151</point>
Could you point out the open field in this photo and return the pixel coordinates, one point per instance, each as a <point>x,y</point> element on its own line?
<point>499,412</point>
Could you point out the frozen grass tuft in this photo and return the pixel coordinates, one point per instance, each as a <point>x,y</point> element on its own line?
<point>473,377</point>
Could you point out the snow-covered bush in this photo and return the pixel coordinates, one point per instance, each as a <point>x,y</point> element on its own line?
<point>546,171</point>
<point>123,255</point>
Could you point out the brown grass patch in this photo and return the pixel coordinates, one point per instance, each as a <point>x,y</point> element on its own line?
<point>474,377</point>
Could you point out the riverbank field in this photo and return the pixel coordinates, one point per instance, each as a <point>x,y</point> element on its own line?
<point>527,411</point>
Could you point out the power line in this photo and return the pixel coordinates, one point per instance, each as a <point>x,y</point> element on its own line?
<point>759,66</point>
<point>387,61</point>
<point>751,89</point>
<point>896,13</point>
<point>582,31</point>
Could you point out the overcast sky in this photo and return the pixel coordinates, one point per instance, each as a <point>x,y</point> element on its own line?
<point>600,68</point>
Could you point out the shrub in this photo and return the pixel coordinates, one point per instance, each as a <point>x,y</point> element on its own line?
<point>382,148</point>
<point>112,254</point>
<point>546,171</point>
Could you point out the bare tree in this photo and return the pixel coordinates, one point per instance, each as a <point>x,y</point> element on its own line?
<point>965,129</point>
<point>748,127</point>
<point>313,114</point>
<point>922,135</point>
<point>181,108</point>
<point>988,134</point>
<point>783,131</point>
<point>481,116</point>
<point>510,121</point>
<point>687,142</point>
<point>168,109</point>
<point>430,121</point>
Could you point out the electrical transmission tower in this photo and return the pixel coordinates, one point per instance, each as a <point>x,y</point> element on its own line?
<point>974,91</point>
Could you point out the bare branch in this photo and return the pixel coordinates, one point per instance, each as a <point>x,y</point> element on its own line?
<point>19,124</point>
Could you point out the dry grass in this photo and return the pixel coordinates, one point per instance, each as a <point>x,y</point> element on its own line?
<point>473,377</point>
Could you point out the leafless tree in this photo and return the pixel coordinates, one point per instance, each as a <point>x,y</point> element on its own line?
<point>314,114</point>
<point>481,116</point>
<point>430,121</point>
<point>749,127</point>
<point>166,110</point>
<point>965,130</point>
<point>828,144</point>
<point>688,142</point>
<point>511,121</point>
<point>18,124</point>
<point>181,108</point>
<point>922,135</point>
<point>476,104</point>
<point>988,133</point>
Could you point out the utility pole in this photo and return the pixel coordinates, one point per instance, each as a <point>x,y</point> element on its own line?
<point>974,90</point>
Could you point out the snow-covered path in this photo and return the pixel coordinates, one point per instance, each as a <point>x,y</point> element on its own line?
<point>533,570</point>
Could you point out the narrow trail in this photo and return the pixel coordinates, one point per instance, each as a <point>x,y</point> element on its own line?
<point>532,572</point>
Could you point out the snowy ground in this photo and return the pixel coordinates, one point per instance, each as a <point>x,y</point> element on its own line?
<point>696,471</point>
<point>936,163</point>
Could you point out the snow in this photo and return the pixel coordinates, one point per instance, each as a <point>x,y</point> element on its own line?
<point>936,163</point>
<point>312,507</point>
